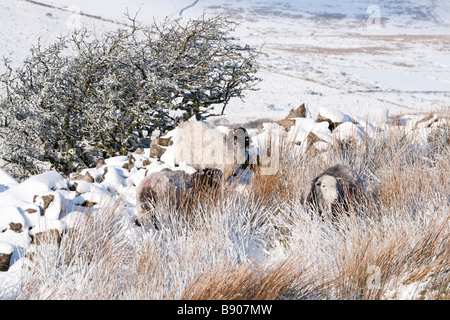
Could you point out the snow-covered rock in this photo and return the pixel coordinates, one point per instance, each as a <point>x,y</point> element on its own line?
<point>13,227</point>
<point>6,251</point>
<point>47,231</point>
<point>50,202</point>
<point>11,219</point>
<point>334,115</point>
<point>304,127</point>
<point>95,196</point>
<point>74,219</point>
<point>349,131</point>
<point>114,179</point>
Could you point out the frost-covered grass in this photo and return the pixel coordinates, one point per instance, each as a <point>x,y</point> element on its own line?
<point>262,243</point>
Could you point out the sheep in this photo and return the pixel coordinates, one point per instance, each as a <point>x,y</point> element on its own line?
<point>208,180</point>
<point>201,145</point>
<point>335,188</point>
<point>176,190</point>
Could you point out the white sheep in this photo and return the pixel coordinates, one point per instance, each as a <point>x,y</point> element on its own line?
<point>201,145</point>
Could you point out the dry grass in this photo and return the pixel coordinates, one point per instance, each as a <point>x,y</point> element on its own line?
<point>263,244</point>
<point>250,281</point>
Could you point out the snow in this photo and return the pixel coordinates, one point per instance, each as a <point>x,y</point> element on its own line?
<point>334,115</point>
<point>9,215</point>
<point>348,131</point>
<point>320,53</point>
<point>6,180</point>
<point>46,225</point>
<point>304,126</point>
<point>6,248</point>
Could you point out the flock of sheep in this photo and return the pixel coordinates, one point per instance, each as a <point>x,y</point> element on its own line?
<point>217,156</point>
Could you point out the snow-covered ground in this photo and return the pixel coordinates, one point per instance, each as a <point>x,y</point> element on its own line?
<point>361,58</point>
<point>353,57</point>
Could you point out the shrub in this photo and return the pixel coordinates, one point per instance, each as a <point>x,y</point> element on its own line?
<point>86,97</point>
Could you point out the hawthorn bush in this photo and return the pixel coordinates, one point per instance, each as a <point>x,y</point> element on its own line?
<point>85,97</point>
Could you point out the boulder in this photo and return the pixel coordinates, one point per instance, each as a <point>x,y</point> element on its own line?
<point>289,121</point>
<point>4,261</point>
<point>427,121</point>
<point>85,177</point>
<point>300,112</point>
<point>11,219</point>
<point>6,251</point>
<point>349,132</point>
<point>50,236</point>
<point>100,164</point>
<point>47,231</point>
<point>130,164</point>
<point>159,145</point>
<point>164,142</point>
<point>51,204</point>
<point>333,116</point>
<point>156,151</point>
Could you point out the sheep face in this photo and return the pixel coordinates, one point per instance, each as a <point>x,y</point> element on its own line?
<point>328,192</point>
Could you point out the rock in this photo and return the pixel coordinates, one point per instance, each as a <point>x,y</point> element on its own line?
<point>300,112</point>
<point>159,145</point>
<point>16,227</point>
<point>88,204</point>
<point>88,178</point>
<point>126,166</point>
<point>427,121</point>
<point>333,116</point>
<point>82,186</point>
<point>85,177</point>
<point>349,132</point>
<point>51,180</point>
<point>4,261</point>
<point>50,236</point>
<point>96,195</point>
<point>47,231</point>
<point>6,251</point>
<point>312,139</point>
<point>130,164</point>
<point>51,204</point>
<point>31,213</point>
<point>289,121</point>
<point>164,142</point>
<point>11,218</point>
<point>100,164</point>
<point>265,127</point>
<point>307,132</point>
<point>157,151</point>
<point>113,180</point>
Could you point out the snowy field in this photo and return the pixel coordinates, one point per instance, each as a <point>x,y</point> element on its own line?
<point>357,61</point>
<point>361,59</point>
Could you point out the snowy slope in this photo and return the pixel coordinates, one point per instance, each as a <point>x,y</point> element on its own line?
<point>361,59</point>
